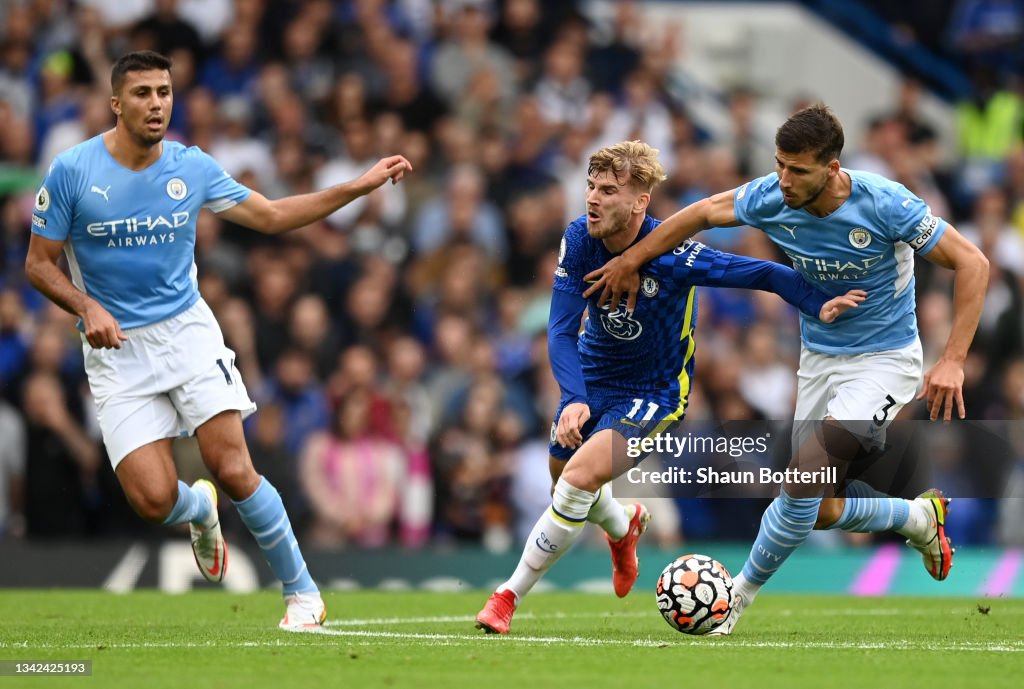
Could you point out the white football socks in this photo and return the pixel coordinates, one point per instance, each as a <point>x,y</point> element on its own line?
<point>610,514</point>
<point>747,589</point>
<point>918,523</point>
<point>553,534</point>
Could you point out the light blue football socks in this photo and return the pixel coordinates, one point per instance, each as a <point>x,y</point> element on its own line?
<point>191,506</point>
<point>784,527</point>
<point>263,514</point>
<point>867,510</point>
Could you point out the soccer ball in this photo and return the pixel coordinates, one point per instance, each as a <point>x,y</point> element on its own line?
<point>694,594</point>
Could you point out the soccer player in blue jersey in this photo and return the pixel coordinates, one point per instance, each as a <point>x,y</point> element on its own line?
<point>842,229</point>
<point>628,374</point>
<point>122,207</point>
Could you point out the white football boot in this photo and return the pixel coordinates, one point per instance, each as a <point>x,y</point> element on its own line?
<point>208,545</point>
<point>305,612</point>
<point>738,603</point>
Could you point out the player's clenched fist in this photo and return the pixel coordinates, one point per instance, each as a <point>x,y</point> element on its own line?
<point>101,329</point>
<point>570,425</point>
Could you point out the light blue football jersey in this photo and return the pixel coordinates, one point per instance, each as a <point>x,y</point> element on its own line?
<point>130,236</point>
<point>867,243</point>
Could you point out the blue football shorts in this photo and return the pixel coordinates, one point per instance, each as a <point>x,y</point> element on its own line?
<point>630,414</point>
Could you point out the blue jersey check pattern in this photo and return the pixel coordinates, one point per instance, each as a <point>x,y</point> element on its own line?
<point>652,349</point>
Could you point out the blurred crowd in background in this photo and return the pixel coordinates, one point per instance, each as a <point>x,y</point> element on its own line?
<point>397,350</point>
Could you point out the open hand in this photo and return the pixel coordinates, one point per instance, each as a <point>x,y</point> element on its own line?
<point>944,385</point>
<point>832,308</point>
<point>614,278</point>
<point>392,167</point>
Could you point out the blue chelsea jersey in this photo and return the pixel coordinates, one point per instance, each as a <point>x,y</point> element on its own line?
<point>651,349</point>
<point>867,243</point>
<point>130,235</point>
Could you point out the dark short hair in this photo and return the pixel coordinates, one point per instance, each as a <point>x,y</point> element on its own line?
<point>816,129</point>
<point>139,61</point>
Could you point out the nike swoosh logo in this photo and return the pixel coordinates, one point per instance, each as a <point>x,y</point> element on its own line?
<point>630,423</point>
<point>215,570</point>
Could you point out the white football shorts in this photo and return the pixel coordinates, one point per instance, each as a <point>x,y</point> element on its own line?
<point>862,391</point>
<point>166,380</point>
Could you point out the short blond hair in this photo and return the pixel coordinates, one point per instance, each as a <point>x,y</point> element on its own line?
<point>633,158</point>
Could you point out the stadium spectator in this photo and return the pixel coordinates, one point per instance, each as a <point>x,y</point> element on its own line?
<point>316,66</point>
<point>463,213</point>
<point>299,395</point>
<point>353,479</point>
<point>165,30</point>
<point>61,483</point>
<point>233,67</point>
<point>466,53</point>
<point>12,471</point>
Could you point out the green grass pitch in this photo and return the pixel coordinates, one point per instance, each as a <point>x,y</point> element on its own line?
<point>564,640</point>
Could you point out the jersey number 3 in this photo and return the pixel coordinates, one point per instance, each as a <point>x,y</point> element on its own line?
<point>884,411</point>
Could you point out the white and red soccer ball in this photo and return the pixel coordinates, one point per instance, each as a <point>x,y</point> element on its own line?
<point>695,594</point>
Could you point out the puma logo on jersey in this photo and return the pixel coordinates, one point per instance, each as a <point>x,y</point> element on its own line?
<point>790,229</point>
<point>101,192</point>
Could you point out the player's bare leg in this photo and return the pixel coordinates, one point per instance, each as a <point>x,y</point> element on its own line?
<point>622,525</point>
<point>150,482</point>
<point>224,451</point>
<point>784,527</point>
<point>594,464</point>
<point>921,520</point>
<point>863,509</point>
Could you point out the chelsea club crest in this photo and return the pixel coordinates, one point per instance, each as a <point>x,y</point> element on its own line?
<point>648,286</point>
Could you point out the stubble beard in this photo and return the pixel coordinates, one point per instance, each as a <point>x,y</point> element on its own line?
<point>611,226</point>
<point>810,199</point>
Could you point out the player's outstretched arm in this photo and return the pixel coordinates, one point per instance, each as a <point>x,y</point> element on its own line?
<point>101,329</point>
<point>944,382</point>
<point>699,264</point>
<point>273,217</point>
<point>621,274</point>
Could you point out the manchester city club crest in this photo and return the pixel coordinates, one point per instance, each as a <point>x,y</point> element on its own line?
<point>176,189</point>
<point>859,237</point>
<point>648,286</point>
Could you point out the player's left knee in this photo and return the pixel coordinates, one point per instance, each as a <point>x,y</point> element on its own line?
<point>583,476</point>
<point>829,512</point>
<point>839,442</point>
<point>236,475</point>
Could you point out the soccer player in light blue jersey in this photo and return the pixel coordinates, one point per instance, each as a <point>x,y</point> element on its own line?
<point>842,229</point>
<point>627,375</point>
<point>122,207</point>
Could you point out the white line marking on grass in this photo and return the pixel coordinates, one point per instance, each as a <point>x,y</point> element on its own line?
<point>892,612</point>
<point>785,612</point>
<point>490,638</point>
<point>427,639</point>
<point>442,619</point>
<point>469,619</point>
